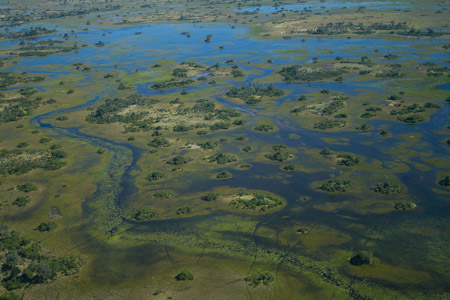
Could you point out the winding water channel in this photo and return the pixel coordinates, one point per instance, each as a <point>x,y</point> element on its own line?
<point>131,52</point>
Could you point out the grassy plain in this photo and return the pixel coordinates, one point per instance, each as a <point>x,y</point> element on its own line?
<point>168,171</point>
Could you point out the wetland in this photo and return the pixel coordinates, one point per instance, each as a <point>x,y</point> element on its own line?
<point>229,150</point>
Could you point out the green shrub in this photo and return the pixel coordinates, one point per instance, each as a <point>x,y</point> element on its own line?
<point>47,226</point>
<point>336,185</point>
<point>26,187</point>
<point>21,201</point>
<point>184,275</point>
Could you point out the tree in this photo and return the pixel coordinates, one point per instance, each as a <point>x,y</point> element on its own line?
<point>184,275</point>
<point>44,272</point>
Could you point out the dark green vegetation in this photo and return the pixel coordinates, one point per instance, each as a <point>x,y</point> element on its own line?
<point>224,175</point>
<point>144,214</point>
<point>254,93</point>
<point>261,278</point>
<point>26,187</point>
<point>387,188</point>
<point>336,185</point>
<point>23,161</point>
<point>445,181</point>
<point>362,258</point>
<point>47,226</point>
<point>404,205</point>
<point>24,262</point>
<point>256,202</point>
<point>257,145</point>
<point>278,156</point>
<point>221,158</point>
<point>179,160</point>
<point>347,160</point>
<point>154,176</point>
<point>184,275</point>
<point>21,201</point>
<point>211,197</point>
<point>300,74</point>
<point>8,79</point>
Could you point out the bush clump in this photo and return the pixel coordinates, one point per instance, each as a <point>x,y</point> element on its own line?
<point>26,187</point>
<point>210,197</point>
<point>336,185</point>
<point>144,214</point>
<point>21,201</point>
<point>387,188</point>
<point>261,278</point>
<point>184,275</point>
<point>221,158</point>
<point>154,176</point>
<point>179,160</point>
<point>47,226</point>
<point>362,258</point>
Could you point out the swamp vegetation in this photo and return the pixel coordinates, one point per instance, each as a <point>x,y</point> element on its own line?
<point>224,150</point>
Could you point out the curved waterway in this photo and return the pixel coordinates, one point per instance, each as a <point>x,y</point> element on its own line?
<point>130,52</point>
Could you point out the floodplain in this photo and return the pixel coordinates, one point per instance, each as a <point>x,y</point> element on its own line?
<point>229,150</point>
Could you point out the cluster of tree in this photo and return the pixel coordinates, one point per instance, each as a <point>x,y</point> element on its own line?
<point>387,188</point>
<point>22,161</point>
<point>224,175</point>
<point>328,124</point>
<point>333,107</point>
<point>25,264</point>
<point>179,160</point>
<point>163,195</point>
<point>172,83</point>
<point>413,108</point>
<point>26,33</point>
<point>392,72</point>
<point>264,127</point>
<point>185,210</point>
<point>253,93</point>
<point>144,214</point>
<point>154,176</point>
<point>347,160</point>
<point>297,73</point>
<point>17,108</point>
<point>8,79</point>
<point>179,72</point>
<point>221,158</point>
<point>109,111</point>
<point>258,202</point>
<point>21,201</point>
<point>208,145</point>
<point>336,185</point>
<point>278,156</point>
<point>220,126</point>
<point>184,275</point>
<point>210,197</point>
<point>404,205</point>
<point>291,168</point>
<point>362,258</point>
<point>346,28</point>
<point>445,181</point>
<point>434,69</point>
<point>418,32</point>
<point>364,127</point>
<point>159,142</point>
<point>412,119</point>
<point>21,17</point>
<point>42,50</point>
<point>46,226</point>
<point>261,278</point>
